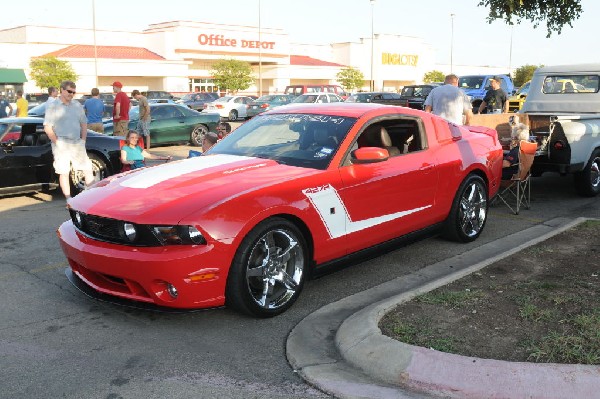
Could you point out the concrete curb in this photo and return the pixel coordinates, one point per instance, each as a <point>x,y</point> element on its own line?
<point>360,343</point>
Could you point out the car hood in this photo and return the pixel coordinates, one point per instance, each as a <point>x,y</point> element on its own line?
<point>170,192</point>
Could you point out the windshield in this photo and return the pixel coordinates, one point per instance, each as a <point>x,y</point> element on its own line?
<point>470,82</point>
<point>523,89</point>
<point>359,98</point>
<point>293,139</point>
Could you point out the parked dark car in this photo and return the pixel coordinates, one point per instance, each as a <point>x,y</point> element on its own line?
<point>159,94</point>
<point>376,97</point>
<point>267,102</point>
<point>40,111</point>
<point>173,123</point>
<point>36,98</point>
<point>197,100</point>
<point>107,98</point>
<point>26,157</point>
<point>414,96</point>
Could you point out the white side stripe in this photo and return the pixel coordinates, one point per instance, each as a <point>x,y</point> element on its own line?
<point>152,176</point>
<point>338,223</point>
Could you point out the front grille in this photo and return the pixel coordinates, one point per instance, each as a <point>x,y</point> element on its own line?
<point>111,230</point>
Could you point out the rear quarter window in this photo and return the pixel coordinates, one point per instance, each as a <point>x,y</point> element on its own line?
<point>570,84</point>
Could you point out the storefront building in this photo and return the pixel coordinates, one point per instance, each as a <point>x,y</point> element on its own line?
<point>178,57</point>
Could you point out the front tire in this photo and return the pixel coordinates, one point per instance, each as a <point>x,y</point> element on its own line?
<point>233,115</point>
<point>198,134</point>
<point>469,210</point>
<point>99,169</point>
<point>587,182</point>
<point>269,268</point>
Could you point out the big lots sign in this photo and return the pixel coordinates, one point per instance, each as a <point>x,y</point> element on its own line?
<point>222,41</point>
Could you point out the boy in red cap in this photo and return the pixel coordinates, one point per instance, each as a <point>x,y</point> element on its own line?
<point>120,111</point>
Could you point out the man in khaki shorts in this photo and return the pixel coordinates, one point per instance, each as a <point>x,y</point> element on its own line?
<point>120,111</point>
<point>66,126</point>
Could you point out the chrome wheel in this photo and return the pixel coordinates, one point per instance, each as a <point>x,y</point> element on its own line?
<point>99,171</point>
<point>469,210</point>
<point>268,271</point>
<point>198,135</point>
<point>473,209</point>
<point>595,173</point>
<point>233,115</point>
<point>275,269</point>
<point>587,182</point>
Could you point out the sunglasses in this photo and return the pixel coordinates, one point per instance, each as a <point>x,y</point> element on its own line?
<point>70,91</point>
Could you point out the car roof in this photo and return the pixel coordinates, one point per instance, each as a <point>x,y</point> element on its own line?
<point>352,110</point>
<point>591,67</point>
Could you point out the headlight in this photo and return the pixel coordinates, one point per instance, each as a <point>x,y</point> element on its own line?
<point>129,231</point>
<point>178,235</point>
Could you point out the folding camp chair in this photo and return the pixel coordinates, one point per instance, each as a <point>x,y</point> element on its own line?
<point>516,192</point>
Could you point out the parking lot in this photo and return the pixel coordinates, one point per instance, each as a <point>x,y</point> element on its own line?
<point>56,342</point>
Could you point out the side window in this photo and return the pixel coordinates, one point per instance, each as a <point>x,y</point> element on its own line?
<point>159,113</point>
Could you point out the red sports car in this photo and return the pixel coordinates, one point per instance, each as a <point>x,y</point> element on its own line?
<point>292,189</point>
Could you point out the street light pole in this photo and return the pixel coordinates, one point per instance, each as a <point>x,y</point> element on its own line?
<point>372,84</point>
<point>452,43</point>
<point>259,55</point>
<point>95,46</point>
<point>510,52</point>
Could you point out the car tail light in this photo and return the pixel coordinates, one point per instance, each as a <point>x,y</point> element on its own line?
<point>559,145</point>
<point>219,106</point>
<point>264,105</point>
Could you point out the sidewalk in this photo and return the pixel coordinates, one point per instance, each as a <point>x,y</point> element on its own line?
<point>340,350</point>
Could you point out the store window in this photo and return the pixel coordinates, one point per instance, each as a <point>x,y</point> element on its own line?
<point>203,85</point>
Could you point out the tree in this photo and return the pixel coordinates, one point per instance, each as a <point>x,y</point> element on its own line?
<point>50,71</point>
<point>433,76</point>
<point>524,73</point>
<point>232,75</point>
<point>556,13</point>
<point>351,79</point>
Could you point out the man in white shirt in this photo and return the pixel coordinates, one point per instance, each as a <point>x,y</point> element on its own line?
<point>450,102</point>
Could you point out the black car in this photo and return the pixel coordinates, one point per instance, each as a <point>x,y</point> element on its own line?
<point>40,111</point>
<point>414,96</point>
<point>378,97</point>
<point>26,157</point>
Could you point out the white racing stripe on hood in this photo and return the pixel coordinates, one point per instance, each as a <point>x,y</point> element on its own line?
<point>152,176</point>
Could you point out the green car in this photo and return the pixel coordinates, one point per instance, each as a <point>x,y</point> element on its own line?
<point>267,102</point>
<point>173,123</point>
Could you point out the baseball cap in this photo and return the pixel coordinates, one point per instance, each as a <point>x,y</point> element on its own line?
<point>496,78</point>
<point>118,84</point>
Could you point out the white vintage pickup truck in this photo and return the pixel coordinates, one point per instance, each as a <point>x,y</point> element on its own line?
<point>563,112</point>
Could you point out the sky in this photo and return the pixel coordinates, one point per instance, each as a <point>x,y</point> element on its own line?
<point>475,42</point>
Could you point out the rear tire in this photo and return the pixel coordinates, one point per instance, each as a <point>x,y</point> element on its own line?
<point>233,115</point>
<point>587,182</point>
<point>269,268</point>
<point>469,211</point>
<point>198,134</point>
<point>99,169</point>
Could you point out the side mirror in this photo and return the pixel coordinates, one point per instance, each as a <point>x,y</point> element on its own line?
<point>370,155</point>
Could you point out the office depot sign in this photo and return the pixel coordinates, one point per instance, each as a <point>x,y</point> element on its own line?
<point>222,41</point>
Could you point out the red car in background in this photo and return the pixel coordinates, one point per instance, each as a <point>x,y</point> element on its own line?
<point>292,189</point>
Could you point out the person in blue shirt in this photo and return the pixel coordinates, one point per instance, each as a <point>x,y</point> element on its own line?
<point>94,109</point>
<point>134,155</point>
<point>3,105</point>
<point>510,162</point>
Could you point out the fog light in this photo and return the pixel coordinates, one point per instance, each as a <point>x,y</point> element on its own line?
<point>172,290</point>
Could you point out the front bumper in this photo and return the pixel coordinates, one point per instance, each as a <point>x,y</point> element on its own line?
<point>144,274</point>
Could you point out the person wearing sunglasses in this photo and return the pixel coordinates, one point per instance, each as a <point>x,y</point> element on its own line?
<point>65,124</point>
